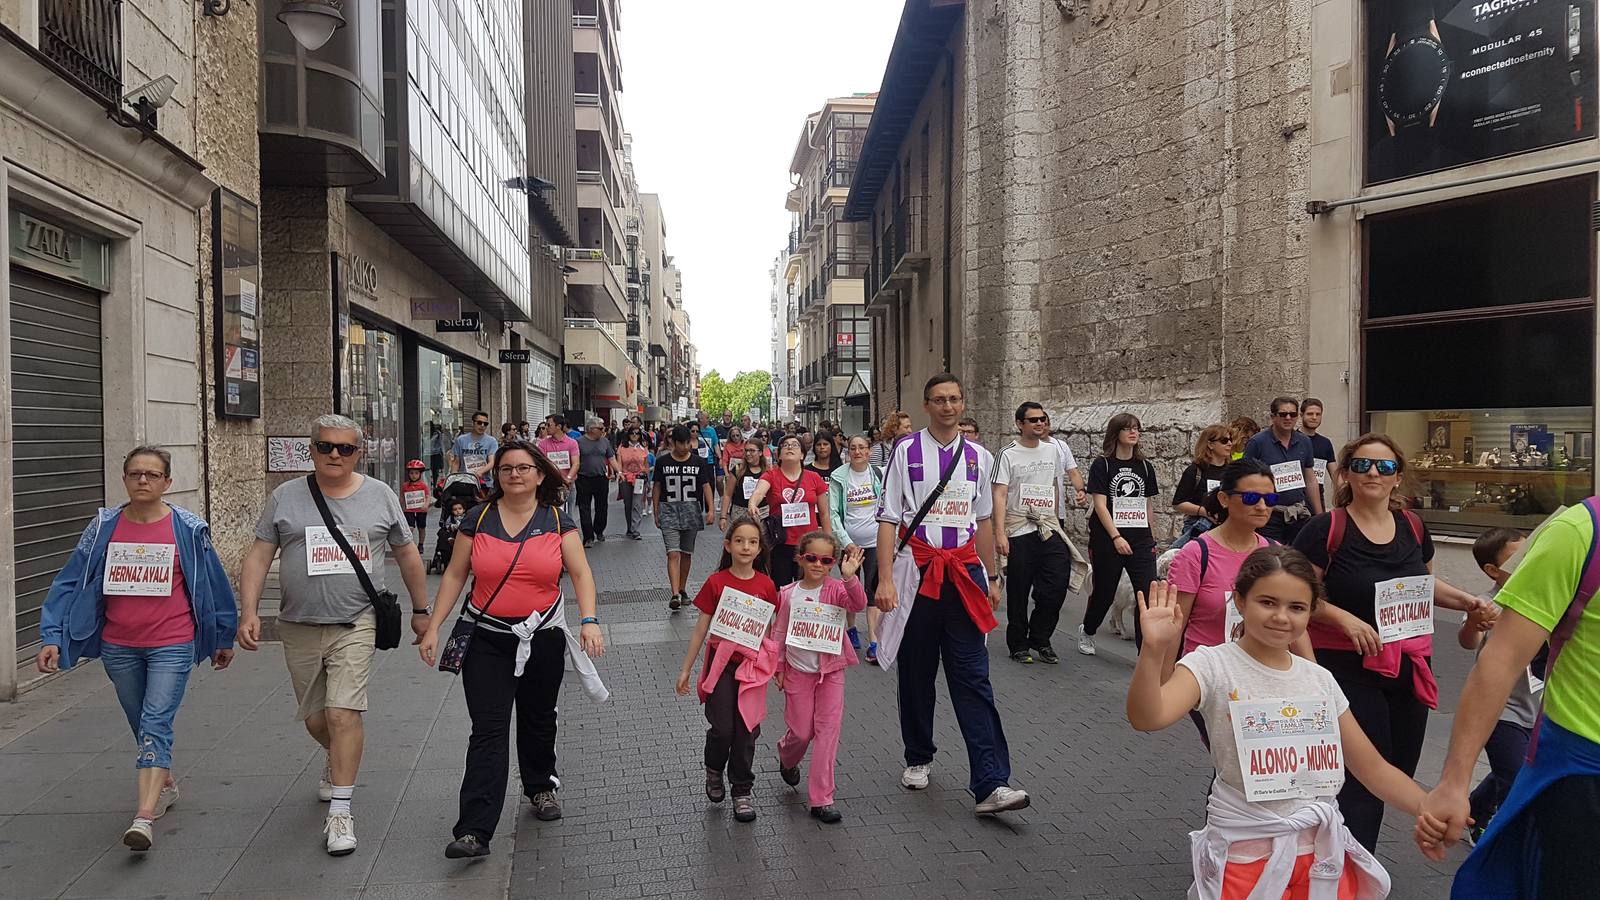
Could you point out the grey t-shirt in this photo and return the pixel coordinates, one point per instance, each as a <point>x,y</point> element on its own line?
<point>334,595</point>
<point>1522,707</point>
<point>592,455</point>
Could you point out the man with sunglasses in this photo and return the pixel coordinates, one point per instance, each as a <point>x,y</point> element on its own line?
<point>473,452</point>
<point>1027,486</point>
<point>326,620</point>
<point>1292,458</point>
<point>939,601</point>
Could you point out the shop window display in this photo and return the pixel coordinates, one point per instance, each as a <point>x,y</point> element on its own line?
<point>370,377</point>
<point>1479,468</point>
<point>441,411</point>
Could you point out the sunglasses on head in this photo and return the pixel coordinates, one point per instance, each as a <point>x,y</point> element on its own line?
<point>1251,498</point>
<point>1361,465</point>
<point>327,448</point>
<point>814,558</point>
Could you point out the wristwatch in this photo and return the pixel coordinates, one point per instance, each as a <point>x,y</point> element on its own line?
<point>1415,72</point>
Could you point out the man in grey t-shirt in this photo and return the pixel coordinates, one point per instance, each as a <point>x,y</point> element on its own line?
<point>326,621</point>
<point>597,466</point>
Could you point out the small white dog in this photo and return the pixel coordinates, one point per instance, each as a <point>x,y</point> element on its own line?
<point>1124,601</point>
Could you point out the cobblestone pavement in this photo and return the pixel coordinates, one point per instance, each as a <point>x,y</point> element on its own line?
<point>1112,808</point>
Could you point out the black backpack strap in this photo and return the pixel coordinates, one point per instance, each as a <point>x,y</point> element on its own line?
<point>1205,558</point>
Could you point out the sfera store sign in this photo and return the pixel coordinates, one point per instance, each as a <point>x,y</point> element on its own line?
<point>1451,84</point>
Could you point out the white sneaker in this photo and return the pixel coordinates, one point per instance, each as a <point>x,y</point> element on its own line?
<point>915,778</point>
<point>325,785</point>
<point>341,831</point>
<point>138,836</point>
<point>1085,642</point>
<point>1001,799</point>
<point>169,796</point>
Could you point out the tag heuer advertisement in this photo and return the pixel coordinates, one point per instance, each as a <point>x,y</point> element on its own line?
<point>1452,83</point>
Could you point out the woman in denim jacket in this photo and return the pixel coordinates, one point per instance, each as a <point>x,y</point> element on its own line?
<point>146,593</point>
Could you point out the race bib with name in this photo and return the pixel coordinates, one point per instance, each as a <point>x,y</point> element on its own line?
<point>1289,476</point>
<point>1039,496</point>
<point>474,460</point>
<point>1403,607</point>
<point>138,570</point>
<point>561,459</point>
<point>415,499</point>
<point>1320,467</point>
<point>816,626</point>
<point>1212,484</point>
<point>1288,748</point>
<point>323,556</point>
<point>796,515</point>
<point>741,618</point>
<point>953,509</point>
<point>1130,512</point>
<point>750,486</point>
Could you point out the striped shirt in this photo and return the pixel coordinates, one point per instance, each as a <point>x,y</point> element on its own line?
<point>914,470</point>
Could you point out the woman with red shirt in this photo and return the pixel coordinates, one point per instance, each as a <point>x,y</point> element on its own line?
<point>793,495</point>
<point>516,547</point>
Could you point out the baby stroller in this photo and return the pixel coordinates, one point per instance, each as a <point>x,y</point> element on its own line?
<point>443,543</point>
<point>461,486</point>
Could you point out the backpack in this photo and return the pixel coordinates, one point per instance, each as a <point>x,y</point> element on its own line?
<point>1340,520</point>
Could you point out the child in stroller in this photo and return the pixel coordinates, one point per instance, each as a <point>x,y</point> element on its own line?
<point>444,543</point>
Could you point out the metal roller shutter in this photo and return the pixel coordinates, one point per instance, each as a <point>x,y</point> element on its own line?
<point>58,446</point>
<point>472,397</point>
<point>537,405</point>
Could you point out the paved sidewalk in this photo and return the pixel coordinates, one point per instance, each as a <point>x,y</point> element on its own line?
<point>1111,815</point>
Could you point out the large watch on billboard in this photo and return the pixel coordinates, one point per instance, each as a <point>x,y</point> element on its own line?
<point>1454,83</point>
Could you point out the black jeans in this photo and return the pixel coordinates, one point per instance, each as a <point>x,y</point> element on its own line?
<point>1040,568</point>
<point>730,745</point>
<point>1506,747</point>
<point>592,491</point>
<point>491,691</point>
<point>1108,566</point>
<point>1388,710</point>
<point>1563,825</point>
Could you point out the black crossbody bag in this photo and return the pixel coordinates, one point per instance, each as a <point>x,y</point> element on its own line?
<point>933,496</point>
<point>454,652</point>
<point>385,605</point>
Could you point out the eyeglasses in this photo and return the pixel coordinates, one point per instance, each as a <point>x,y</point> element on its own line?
<point>1036,420</point>
<point>145,476</point>
<point>1251,498</point>
<point>814,558</point>
<point>1361,466</point>
<point>1287,415</point>
<point>943,401</point>
<point>327,448</point>
<point>521,471</point>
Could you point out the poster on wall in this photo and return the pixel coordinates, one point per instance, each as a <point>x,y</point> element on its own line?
<point>1452,83</point>
<point>236,271</point>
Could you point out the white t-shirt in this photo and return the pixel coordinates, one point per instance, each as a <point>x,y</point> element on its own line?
<point>1031,475</point>
<point>1226,673</point>
<point>798,659</point>
<point>861,510</point>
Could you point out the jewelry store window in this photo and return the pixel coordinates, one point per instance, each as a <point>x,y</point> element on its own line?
<point>1478,352</point>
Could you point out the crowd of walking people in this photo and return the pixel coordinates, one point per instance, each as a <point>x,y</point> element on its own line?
<point>1288,613</point>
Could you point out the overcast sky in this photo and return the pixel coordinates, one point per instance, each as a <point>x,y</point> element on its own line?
<point>715,95</point>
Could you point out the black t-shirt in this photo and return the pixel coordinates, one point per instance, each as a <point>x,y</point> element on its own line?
<point>1193,484</point>
<point>825,472</point>
<point>1114,478</point>
<point>1359,564</point>
<point>681,482</point>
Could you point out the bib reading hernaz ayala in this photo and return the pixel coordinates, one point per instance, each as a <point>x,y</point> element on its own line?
<point>138,570</point>
<point>323,556</point>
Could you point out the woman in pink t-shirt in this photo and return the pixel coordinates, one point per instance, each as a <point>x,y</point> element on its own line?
<point>147,572</point>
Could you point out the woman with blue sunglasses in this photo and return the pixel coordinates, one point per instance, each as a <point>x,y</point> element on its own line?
<point>1376,632</point>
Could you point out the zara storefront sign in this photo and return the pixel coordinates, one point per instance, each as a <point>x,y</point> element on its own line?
<point>45,246</point>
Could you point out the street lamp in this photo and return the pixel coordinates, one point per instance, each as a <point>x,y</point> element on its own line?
<point>312,22</point>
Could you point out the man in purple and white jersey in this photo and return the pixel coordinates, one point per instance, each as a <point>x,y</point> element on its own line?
<point>940,602</point>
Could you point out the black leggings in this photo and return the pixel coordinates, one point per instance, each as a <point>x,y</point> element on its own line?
<point>1108,566</point>
<point>1396,722</point>
<point>784,569</point>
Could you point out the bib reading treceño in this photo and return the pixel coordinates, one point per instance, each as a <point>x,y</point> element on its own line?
<point>323,556</point>
<point>1039,496</point>
<point>1130,512</point>
<point>1288,476</point>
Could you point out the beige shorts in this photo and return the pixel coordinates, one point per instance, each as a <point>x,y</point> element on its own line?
<point>329,665</point>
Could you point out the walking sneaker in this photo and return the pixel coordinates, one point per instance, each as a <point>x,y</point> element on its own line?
<point>676,603</point>
<point>1046,655</point>
<point>600,537</point>
<point>915,778</point>
<point>545,806</point>
<point>1001,799</point>
<point>827,815</point>
<point>855,639</point>
<point>790,776</point>
<point>716,792</point>
<point>138,836</point>
<point>872,653</point>
<point>588,542</point>
<point>637,536</point>
<point>1022,656</point>
<point>325,785</point>
<point>744,809</point>
<point>341,831</point>
<point>169,796</point>
<point>1085,642</point>
<point>466,847</point>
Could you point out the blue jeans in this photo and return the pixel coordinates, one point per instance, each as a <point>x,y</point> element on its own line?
<point>150,683</point>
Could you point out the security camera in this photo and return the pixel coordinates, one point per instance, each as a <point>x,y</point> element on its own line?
<point>154,94</point>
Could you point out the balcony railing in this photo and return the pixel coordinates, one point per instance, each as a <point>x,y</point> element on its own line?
<point>583,98</point>
<point>902,247</point>
<point>590,176</point>
<point>633,326</point>
<point>633,276</point>
<point>85,37</point>
<point>586,254</point>
<point>582,21</point>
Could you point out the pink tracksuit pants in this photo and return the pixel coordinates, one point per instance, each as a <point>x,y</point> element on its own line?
<point>814,713</point>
